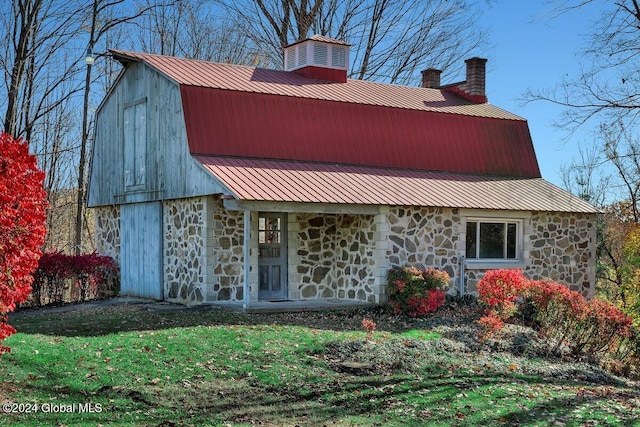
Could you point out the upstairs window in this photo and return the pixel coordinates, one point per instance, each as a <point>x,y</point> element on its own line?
<point>493,240</point>
<point>135,145</point>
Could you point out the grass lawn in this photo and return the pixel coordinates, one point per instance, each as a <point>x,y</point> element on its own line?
<point>127,365</point>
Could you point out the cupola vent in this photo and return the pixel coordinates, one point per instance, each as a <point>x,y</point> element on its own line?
<point>318,57</point>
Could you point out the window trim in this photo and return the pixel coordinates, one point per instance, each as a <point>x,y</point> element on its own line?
<point>487,263</point>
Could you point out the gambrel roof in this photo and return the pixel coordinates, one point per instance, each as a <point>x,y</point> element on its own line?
<point>279,136</point>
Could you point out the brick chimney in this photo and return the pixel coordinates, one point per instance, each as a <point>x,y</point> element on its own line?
<point>472,89</point>
<point>431,78</point>
<point>476,74</point>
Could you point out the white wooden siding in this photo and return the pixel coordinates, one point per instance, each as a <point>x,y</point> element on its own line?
<point>169,170</point>
<point>135,146</point>
<point>141,250</point>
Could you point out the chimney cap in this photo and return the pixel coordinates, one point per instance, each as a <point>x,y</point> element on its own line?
<point>476,59</point>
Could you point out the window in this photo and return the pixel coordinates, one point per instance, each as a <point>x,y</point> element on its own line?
<point>269,230</point>
<point>135,145</point>
<point>493,239</point>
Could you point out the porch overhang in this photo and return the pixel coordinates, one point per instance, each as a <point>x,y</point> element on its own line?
<point>287,186</point>
<point>299,207</point>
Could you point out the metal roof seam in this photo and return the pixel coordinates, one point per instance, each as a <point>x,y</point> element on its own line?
<point>305,182</point>
<point>192,72</point>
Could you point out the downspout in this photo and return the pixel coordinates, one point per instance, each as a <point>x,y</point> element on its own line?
<point>461,269</point>
<point>247,262</point>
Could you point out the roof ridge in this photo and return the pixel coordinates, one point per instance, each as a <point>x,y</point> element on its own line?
<point>250,79</point>
<point>135,54</point>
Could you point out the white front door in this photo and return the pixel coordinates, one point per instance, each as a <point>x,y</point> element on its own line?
<point>272,259</point>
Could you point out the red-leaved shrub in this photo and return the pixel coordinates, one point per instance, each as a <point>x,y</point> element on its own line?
<point>23,205</point>
<point>498,291</point>
<point>416,293</point>
<point>73,278</point>
<point>564,316</point>
<point>586,327</point>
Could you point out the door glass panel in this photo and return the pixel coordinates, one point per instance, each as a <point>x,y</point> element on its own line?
<point>275,272</point>
<point>273,237</point>
<point>269,230</point>
<point>264,277</point>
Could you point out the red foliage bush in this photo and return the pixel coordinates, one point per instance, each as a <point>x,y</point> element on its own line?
<point>73,278</point>
<point>23,205</point>
<point>416,293</point>
<point>498,290</point>
<point>418,306</point>
<point>564,316</point>
<point>586,327</point>
<point>491,322</point>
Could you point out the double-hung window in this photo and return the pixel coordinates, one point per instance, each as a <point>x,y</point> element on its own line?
<point>493,239</point>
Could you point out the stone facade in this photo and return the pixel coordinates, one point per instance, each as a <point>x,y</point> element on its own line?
<point>203,254</point>
<point>226,257</point>
<point>424,237</point>
<point>555,246</point>
<point>563,249</point>
<point>184,231</point>
<point>107,229</point>
<point>346,256</point>
<point>333,256</point>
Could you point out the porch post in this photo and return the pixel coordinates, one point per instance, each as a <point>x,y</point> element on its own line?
<point>247,262</point>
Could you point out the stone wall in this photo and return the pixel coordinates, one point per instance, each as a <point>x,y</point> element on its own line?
<point>424,237</point>
<point>184,231</point>
<point>107,228</point>
<point>556,246</point>
<point>226,255</point>
<point>346,256</point>
<point>563,249</point>
<point>333,256</point>
<point>203,254</point>
<point>559,247</point>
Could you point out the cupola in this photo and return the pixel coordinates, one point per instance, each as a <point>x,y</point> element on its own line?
<point>318,57</point>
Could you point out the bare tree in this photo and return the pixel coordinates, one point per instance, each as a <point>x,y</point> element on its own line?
<point>608,86</point>
<point>393,39</point>
<point>35,62</point>
<point>104,16</point>
<point>608,175</point>
<point>583,176</point>
<point>194,30</point>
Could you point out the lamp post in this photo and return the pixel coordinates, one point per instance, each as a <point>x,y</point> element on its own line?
<point>89,59</point>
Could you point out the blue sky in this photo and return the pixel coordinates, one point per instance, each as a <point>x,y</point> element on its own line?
<point>530,50</point>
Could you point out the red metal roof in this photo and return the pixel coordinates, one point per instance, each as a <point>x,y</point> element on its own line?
<point>282,181</point>
<point>191,72</point>
<point>241,111</point>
